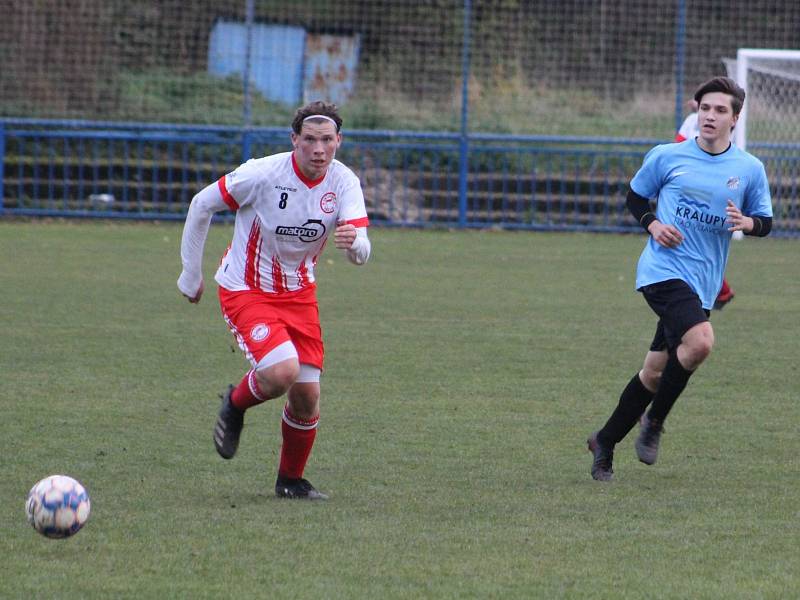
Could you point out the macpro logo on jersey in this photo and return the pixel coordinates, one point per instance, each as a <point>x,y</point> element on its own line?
<point>310,231</point>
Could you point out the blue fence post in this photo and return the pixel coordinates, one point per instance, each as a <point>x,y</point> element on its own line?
<point>247,108</point>
<point>247,101</point>
<point>680,61</point>
<point>246,144</point>
<point>2,162</point>
<point>463,163</point>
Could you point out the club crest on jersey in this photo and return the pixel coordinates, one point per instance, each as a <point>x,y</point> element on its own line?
<point>733,183</point>
<point>328,203</point>
<point>259,333</point>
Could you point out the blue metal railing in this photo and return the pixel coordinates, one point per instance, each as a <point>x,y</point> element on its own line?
<point>461,179</point>
<point>2,162</point>
<point>151,171</point>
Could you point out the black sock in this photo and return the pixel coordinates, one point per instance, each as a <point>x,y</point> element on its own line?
<point>673,381</point>
<point>632,402</point>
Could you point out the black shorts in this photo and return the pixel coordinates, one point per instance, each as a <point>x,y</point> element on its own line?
<point>678,308</point>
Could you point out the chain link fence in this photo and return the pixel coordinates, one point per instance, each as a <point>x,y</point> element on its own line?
<point>576,67</point>
<point>532,78</point>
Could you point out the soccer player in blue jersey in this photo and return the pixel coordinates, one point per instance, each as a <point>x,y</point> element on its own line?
<point>705,188</point>
<point>688,131</point>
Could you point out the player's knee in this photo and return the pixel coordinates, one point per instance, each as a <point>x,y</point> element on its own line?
<point>698,345</point>
<point>699,351</point>
<point>305,406</point>
<point>705,347</point>
<point>692,355</point>
<point>650,377</point>
<point>652,369</point>
<point>275,380</point>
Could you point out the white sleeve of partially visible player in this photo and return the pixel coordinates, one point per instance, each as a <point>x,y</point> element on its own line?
<point>195,230</point>
<point>689,129</point>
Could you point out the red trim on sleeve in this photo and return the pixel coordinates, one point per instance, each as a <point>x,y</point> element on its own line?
<point>679,138</point>
<point>362,222</point>
<point>226,195</point>
<point>310,183</point>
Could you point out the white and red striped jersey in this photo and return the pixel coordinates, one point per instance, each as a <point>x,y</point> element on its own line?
<point>283,220</point>
<point>689,129</point>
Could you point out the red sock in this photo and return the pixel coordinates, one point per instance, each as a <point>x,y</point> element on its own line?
<point>298,438</point>
<point>726,289</point>
<point>247,394</point>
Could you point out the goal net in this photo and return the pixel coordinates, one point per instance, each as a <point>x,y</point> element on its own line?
<point>769,124</point>
<point>771,78</point>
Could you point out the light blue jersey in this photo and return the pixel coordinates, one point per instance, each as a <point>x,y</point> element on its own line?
<point>692,188</point>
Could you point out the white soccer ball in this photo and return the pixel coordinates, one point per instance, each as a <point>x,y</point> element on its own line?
<point>58,506</point>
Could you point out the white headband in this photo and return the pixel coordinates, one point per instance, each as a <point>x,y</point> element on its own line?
<point>326,117</point>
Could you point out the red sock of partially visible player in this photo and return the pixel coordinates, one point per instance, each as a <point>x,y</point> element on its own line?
<point>726,289</point>
<point>298,438</point>
<point>247,394</point>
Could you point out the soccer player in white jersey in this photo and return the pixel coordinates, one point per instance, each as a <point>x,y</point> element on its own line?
<point>706,189</point>
<point>689,130</point>
<point>286,207</point>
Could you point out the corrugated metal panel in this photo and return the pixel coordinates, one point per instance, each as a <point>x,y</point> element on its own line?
<point>330,70</point>
<point>276,66</point>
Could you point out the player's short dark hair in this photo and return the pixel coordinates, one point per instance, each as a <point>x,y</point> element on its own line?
<point>726,85</point>
<point>318,107</point>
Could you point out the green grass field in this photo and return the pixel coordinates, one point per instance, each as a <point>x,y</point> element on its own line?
<point>464,371</point>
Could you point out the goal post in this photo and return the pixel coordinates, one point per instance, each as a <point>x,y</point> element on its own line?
<point>769,124</point>
<point>771,80</point>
